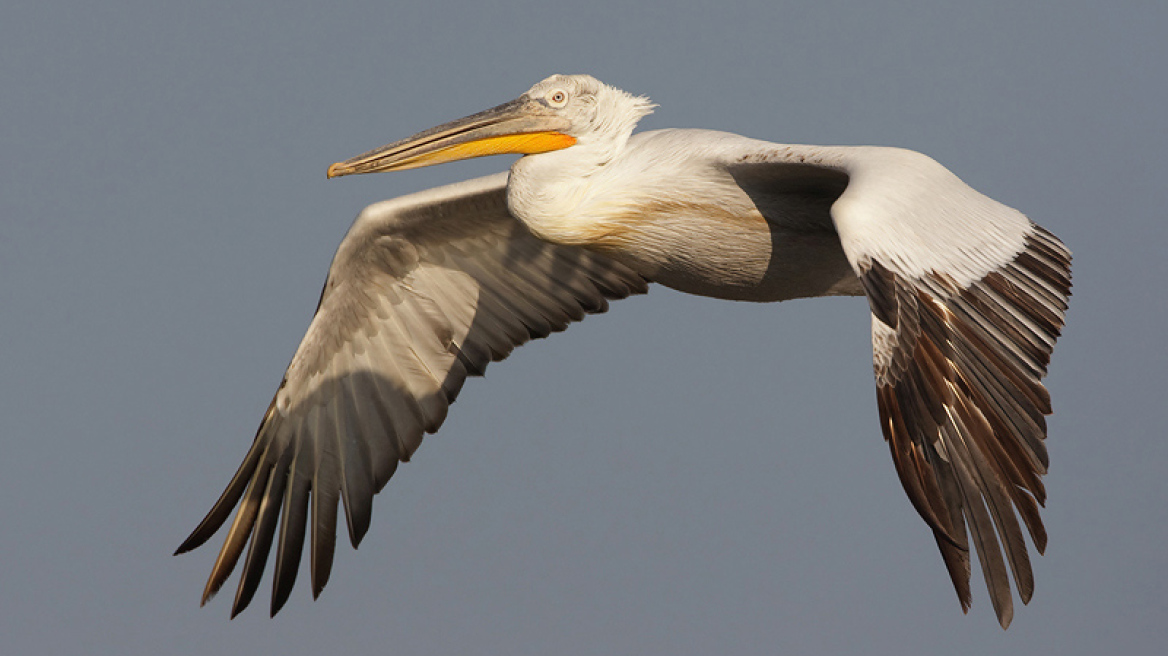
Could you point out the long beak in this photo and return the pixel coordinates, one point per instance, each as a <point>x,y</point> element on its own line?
<point>521,126</point>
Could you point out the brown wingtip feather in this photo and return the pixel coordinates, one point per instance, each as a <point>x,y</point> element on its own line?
<point>963,407</point>
<point>237,536</point>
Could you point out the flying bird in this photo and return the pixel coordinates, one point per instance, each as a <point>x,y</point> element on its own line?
<point>967,298</point>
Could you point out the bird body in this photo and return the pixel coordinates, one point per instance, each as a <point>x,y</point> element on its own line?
<point>967,299</point>
<point>669,206</point>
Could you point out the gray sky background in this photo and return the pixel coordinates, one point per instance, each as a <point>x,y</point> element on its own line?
<point>680,476</point>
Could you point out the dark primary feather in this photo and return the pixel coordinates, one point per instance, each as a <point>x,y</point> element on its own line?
<point>962,405</point>
<point>415,302</point>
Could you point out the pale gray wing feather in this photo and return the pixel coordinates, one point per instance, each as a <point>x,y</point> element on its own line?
<point>968,297</point>
<point>423,291</point>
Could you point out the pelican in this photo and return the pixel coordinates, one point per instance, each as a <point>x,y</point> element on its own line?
<point>967,298</point>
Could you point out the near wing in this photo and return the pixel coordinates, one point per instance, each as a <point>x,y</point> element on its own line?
<point>424,290</point>
<point>968,297</point>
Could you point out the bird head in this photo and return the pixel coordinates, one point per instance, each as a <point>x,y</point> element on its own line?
<point>557,113</point>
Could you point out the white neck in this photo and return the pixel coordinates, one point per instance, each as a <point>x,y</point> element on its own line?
<point>547,191</point>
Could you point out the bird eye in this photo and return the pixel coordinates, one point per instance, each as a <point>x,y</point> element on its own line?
<point>557,98</point>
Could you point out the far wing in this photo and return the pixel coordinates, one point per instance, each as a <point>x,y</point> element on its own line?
<point>424,290</point>
<point>968,297</point>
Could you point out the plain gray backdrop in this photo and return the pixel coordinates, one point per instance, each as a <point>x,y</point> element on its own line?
<point>680,476</point>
